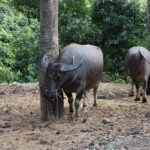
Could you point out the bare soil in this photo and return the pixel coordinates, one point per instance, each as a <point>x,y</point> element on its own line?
<point>21,129</point>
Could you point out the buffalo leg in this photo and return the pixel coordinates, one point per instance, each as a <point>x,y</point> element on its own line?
<point>137,90</point>
<point>70,101</point>
<point>84,108</point>
<point>131,93</point>
<point>77,102</point>
<point>95,96</point>
<point>148,87</point>
<point>144,99</point>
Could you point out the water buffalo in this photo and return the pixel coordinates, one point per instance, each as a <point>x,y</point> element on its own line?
<point>137,66</point>
<point>77,70</point>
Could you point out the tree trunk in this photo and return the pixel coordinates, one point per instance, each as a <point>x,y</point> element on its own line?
<point>49,43</point>
<point>148,23</point>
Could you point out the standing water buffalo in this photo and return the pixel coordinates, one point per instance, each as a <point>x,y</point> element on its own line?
<point>137,66</point>
<point>77,69</point>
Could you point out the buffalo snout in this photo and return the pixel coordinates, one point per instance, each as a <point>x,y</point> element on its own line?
<point>50,95</point>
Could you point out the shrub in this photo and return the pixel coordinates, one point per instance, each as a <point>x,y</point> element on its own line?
<point>18,46</point>
<point>122,25</point>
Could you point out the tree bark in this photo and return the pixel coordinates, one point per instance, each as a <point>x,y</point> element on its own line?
<point>48,43</point>
<point>148,23</point>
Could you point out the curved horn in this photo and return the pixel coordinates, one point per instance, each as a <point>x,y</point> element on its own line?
<point>66,68</point>
<point>45,60</point>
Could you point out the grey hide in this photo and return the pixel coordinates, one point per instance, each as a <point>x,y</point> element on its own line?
<point>137,66</point>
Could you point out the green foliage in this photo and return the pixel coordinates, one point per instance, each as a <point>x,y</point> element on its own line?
<point>25,52</point>
<point>86,33</point>
<point>30,8</point>
<point>18,46</point>
<point>120,21</point>
<point>71,9</point>
<point>113,25</point>
<point>122,24</point>
<point>5,75</point>
<point>74,22</point>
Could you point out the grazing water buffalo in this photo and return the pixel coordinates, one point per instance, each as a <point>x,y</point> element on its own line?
<point>137,66</point>
<point>76,70</point>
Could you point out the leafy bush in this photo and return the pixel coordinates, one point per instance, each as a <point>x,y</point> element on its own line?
<point>113,25</point>
<point>120,21</point>
<point>79,31</point>
<point>29,8</point>
<point>18,46</point>
<point>75,24</point>
<point>122,25</point>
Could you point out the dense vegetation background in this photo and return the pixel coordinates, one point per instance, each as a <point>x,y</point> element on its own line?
<point>113,25</point>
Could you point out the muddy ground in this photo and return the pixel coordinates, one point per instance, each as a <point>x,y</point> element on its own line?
<point>127,124</point>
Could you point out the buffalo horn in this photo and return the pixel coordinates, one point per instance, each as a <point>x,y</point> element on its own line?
<point>45,60</point>
<point>66,68</point>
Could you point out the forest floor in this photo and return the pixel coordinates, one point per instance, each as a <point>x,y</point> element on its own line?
<point>127,123</point>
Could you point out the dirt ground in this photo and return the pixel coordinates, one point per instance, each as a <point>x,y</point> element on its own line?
<point>127,123</point>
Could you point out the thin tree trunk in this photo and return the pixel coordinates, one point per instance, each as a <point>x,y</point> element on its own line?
<point>148,23</point>
<point>48,42</point>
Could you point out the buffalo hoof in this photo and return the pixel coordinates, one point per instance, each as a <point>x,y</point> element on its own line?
<point>76,116</point>
<point>71,114</point>
<point>75,120</point>
<point>131,94</point>
<point>137,99</point>
<point>144,100</point>
<point>148,92</point>
<point>94,107</point>
<point>84,110</point>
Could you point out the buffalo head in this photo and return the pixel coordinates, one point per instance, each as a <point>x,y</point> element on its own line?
<point>57,75</point>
